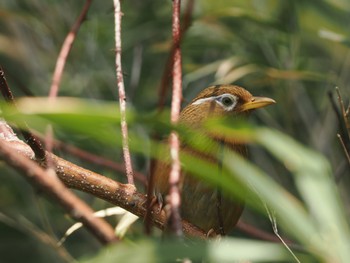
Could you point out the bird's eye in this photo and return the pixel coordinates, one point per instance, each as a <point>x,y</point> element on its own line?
<point>227,101</point>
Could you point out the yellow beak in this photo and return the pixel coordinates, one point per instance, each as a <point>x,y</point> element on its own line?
<point>257,102</point>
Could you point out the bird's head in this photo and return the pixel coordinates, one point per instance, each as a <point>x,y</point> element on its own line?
<point>221,101</point>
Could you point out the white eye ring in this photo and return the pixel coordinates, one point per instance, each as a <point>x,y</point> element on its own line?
<point>227,101</point>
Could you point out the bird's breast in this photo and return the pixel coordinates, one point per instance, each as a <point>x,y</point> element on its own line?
<point>200,200</point>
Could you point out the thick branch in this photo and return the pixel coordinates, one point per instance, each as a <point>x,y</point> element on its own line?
<point>123,195</point>
<point>49,183</point>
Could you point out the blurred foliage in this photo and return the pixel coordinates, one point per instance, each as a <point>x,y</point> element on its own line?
<point>291,50</point>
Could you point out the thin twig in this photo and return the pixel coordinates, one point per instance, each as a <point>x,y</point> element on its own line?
<point>175,172</point>
<point>32,141</point>
<point>258,233</point>
<point>345,115</point>
<point>95,159</point>
<point>166,77</point>
<point>344,112</point>
<point>150,198</point>
<point>174,191</point>
<point>60,64</point>
<point>65,49</point>
<point>219,195</point>
<point>343,122</point>
<point>344,147</point>
<point>273,221</point>
<point>51,185</point>
<point>121,90</point>
<point>103,161</point>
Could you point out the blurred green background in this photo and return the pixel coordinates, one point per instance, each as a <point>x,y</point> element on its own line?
<point>293,51</point>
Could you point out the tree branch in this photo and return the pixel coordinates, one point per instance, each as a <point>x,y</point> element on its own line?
<point>166,77</point>
<point>95,159</point>
<point>76,177</point>
<point>48,182</point>
<point>66,47</point>
<point>175,172</point>
<point>121,91</point>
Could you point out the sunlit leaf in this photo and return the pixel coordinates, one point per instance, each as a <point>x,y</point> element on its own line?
<point>313,178</point>
<point>225,250</point>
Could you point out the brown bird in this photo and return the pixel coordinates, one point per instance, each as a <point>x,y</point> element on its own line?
<point>199,203</point>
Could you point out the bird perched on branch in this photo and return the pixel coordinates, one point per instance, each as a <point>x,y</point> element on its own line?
<point>201,204</point>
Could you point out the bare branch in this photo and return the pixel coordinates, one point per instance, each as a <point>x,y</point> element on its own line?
<point>344,147</point>
<point>48,182</point>
<point>166,77</point>
<point>66,47</point>
<point>273,221</point>
<point>76,177</point>
<point>342,108</point>
<point>95,159</point>
<point>175,172</point>
<point>258,233</point>
<point>343,122</point>
<point>121,91</point>
<point>60,64</point>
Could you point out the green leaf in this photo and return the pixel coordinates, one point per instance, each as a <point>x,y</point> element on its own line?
<point>313,178</point>
<point>224,250</point>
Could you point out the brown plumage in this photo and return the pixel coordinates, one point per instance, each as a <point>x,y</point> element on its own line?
<point>199,200</point>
